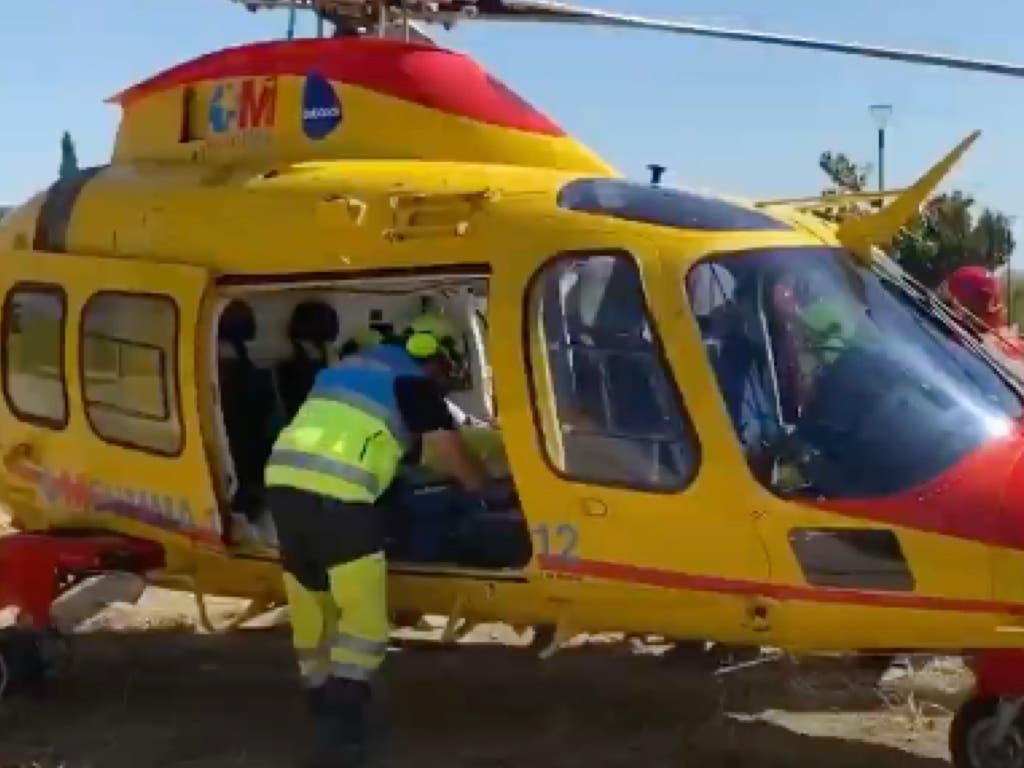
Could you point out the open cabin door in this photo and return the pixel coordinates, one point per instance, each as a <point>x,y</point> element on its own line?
<point>122,448</point>
<point>624,503</point>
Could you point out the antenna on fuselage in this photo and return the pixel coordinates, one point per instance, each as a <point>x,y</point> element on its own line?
<point>292,17</point>
<point>657,171</point>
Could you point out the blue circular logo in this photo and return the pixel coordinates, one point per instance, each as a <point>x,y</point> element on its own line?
<point>321,107</point>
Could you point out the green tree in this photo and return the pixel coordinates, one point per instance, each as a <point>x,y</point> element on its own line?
<point>846,175</point>
<point>947,234</point>
<point>68,157</point>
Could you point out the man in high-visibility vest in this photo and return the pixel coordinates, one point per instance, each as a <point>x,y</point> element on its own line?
<point>325,480</point>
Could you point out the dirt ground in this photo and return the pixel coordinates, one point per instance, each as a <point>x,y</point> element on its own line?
<point>147,689</point>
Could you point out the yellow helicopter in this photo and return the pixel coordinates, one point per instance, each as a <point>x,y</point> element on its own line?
<point>723,420</point>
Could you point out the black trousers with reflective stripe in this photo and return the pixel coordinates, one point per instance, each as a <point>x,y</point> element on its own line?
<point>317,533</point>
<point>335,578</point>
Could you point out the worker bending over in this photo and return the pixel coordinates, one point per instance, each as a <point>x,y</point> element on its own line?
<point>327,478</point>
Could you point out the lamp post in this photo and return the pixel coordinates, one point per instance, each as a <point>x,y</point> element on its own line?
<point>881,113</point>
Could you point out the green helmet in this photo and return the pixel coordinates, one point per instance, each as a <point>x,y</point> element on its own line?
<point>830,327</point>
<point>429,335</point>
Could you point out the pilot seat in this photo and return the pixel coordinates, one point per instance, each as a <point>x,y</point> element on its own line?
<point>249,408</point>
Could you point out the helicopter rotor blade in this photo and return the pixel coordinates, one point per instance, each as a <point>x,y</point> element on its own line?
<point>550,11</point>
<point>542,10</point>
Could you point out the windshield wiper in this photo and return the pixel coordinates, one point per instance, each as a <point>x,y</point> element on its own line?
<point>936,309</point>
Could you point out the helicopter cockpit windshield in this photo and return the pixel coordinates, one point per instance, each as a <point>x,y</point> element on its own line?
<point>838,383</point>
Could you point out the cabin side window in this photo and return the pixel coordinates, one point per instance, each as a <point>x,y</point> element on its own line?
<point>608,410</point>
<point>129,370</point>
<point>33,354</point>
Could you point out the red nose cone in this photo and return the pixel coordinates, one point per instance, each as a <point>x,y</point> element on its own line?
<point>980,498</point>
<point>1011,532</point>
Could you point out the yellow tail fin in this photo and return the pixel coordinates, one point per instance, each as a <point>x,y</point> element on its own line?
<point>859,234</point>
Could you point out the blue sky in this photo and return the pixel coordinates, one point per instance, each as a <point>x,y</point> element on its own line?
<point>733,117</point>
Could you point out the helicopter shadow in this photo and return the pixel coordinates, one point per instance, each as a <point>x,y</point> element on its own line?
<point>181,700</point>
<point>815,684</point>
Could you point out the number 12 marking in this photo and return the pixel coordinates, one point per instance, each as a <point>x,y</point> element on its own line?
<point>565,538</point>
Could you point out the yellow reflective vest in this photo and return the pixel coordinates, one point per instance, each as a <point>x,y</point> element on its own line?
<point>348,437</point>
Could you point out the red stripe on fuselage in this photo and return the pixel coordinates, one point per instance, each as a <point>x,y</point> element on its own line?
<point>655,577</point>
<point>433,77</point>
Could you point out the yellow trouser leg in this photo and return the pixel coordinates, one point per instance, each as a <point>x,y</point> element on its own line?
<point>311,615</point>
<point>361,642</point>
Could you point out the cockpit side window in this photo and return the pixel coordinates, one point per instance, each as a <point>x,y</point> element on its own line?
<point>609,409</point>
<point>838,385</point>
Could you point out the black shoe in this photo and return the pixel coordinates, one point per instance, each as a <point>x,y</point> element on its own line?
<point>333,746</point>
<point>348,757</point>
<point>341,724</point>
<point>315,699</point>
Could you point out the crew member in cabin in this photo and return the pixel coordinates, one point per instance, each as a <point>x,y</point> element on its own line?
<point>327,484</point>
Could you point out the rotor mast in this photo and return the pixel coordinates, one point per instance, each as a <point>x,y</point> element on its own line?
<point>379,18</point>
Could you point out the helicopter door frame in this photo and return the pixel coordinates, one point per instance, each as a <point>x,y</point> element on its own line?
<point>227,287</point>
<point>592,523</point>
<point>222,464</point>
<point>164,489</point>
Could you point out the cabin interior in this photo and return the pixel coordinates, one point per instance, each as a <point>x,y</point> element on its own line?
<point>271,342</point>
